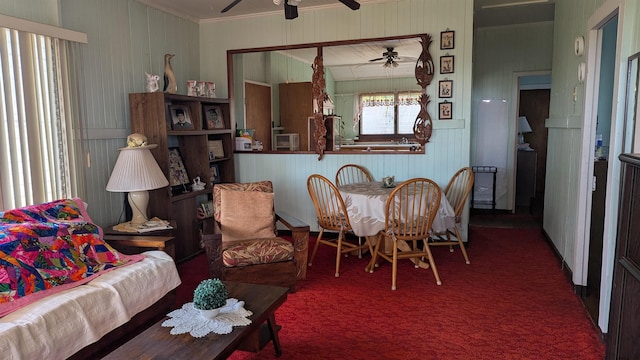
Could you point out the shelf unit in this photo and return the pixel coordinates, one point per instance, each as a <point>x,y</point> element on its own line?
<point>150,116</point>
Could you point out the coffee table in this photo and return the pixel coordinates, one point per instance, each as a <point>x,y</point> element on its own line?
<point>157,343</point>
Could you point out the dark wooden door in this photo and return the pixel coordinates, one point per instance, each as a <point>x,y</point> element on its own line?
<point>624,315</point>
<point>258,112</point>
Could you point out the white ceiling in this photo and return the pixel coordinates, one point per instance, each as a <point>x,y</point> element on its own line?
<point>352,61</point>
<point>486,12</point>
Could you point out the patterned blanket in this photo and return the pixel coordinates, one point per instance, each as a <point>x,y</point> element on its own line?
<point>50,247</point>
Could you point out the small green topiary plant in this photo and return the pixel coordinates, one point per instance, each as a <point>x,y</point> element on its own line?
<point>210,294</point>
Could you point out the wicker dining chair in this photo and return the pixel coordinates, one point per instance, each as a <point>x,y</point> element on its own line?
<point>457,192</point>
<point>409,213</point>
<point>332,216</point>
<point>352,173</point>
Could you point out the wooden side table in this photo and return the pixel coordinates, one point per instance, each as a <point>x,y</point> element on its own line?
<point>164,243</point>
<point>160,240</point>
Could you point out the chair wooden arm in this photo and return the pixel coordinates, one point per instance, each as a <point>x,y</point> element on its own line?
<point>300,235</point>
<point>213,248</point>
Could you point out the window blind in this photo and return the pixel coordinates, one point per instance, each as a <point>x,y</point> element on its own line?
<point>37,151</point>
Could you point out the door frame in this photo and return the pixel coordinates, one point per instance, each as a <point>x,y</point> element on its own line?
<point>600,17</point>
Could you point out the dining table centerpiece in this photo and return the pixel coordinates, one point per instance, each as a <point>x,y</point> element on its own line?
<point>210,295</point>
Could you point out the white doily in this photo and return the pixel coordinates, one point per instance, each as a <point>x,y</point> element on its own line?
<point>188,319</point>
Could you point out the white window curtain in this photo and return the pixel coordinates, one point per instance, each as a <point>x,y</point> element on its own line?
<point>39,104</point>
<point>379,113</point>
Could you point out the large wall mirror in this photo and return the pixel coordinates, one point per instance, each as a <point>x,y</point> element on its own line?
<point>271,90</point>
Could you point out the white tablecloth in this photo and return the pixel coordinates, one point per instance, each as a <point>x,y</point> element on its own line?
<point>366,203</point>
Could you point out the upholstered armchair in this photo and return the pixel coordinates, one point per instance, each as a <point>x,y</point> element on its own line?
<point>245,246</point>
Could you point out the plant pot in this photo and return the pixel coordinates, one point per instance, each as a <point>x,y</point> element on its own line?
<point>209,314</point>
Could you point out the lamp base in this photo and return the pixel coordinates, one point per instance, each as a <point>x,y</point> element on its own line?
<point>139,201</point>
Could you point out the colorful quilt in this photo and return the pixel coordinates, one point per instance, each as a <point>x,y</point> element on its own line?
<point>50,246</point>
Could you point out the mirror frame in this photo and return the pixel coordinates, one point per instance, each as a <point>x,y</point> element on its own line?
<point>630,129</point>
<point>424,73</point>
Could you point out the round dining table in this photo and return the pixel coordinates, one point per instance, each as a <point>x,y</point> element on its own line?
<point>366,204</point>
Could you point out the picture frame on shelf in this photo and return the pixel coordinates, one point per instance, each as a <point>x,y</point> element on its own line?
<point>178,177</point>
<point>214,118</point>
<point>445,110</point>
<point>214,174</point>
<point>446,64</point>
<point>216,149</point>
<point>207,208</point>
<point>447,39</point>
<point>445,88</point>
<point>180,117</point>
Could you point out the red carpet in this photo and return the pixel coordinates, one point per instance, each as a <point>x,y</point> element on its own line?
<point>512,302</point>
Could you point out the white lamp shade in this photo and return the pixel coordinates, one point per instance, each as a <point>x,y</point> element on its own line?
<point>136,170</point>
<point>523,125</point>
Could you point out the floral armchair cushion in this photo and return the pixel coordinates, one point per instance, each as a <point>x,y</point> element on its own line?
<point>257,251</point>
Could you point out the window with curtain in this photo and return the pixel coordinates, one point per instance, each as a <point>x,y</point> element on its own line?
<point>37,147</point>
<point>386,114</point>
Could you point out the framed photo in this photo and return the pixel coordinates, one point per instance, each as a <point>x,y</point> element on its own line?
<point>214,174</point>
<point>180,117</point>
<point>178,177</point>
<point>445,88</point>
<point>446,39</point>
<point>213,117</point>
<point>446,64</point>
<point>216,150</point>
<point>445,110</point>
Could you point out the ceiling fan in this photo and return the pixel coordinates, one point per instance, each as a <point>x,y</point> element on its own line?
<point>391,57</point>
<point>291,6</point>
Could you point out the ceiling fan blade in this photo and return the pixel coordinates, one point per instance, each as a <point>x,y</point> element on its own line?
<point>352,4</point>
<point>378,59</point>
<point>234,3</point>
<point>290,12</point>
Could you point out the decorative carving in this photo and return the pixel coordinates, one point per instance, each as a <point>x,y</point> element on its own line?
<point>423,126</point>
<point>317,90</point>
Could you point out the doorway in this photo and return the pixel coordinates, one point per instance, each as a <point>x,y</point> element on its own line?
<point>603,119</point>
<point>531,160</point>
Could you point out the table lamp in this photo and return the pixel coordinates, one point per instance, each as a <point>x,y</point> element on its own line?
<point>523,127</point>
<point>136,172</point>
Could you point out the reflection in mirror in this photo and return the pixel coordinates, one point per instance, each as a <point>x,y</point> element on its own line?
<point>630,145</point>
<point>351,69</point>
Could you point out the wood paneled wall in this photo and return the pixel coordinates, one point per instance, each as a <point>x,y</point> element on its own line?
<point>126,39</point>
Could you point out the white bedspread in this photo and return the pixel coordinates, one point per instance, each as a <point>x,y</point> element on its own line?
<point>58,326</point>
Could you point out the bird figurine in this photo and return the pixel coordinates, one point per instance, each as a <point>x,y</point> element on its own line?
<point>170,84</point>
